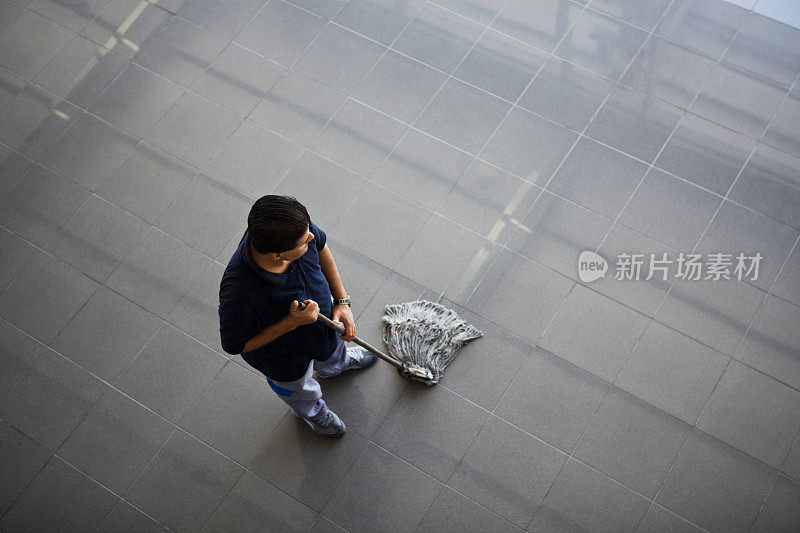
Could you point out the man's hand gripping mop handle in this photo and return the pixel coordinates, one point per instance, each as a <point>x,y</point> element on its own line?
<point>334,326</point>
<point>414,372</point>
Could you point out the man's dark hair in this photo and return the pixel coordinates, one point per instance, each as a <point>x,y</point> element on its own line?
<point>277,223</point>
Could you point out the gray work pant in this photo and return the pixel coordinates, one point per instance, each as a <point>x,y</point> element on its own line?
<point>304,395</point>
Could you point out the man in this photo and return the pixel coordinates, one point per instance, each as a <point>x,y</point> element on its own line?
<point>283,259</point>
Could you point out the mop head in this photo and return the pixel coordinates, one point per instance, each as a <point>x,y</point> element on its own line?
<point>425,334</point>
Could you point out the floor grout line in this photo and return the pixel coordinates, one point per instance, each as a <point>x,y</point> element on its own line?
<point>571,454</point>
<point>423,132</point>
<point>195,284</point>
<point>226,363</point>
<point>176,425</point>
<point>725,370</point>
<point>367,438</point>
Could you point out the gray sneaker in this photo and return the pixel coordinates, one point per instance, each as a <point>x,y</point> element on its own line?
<point>326,422</point>
<point>359,357</point>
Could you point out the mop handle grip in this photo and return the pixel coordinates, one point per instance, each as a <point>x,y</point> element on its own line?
<point>322,318</point>
<point>333,325</point>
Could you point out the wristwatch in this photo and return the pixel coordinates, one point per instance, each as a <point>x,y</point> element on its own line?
<point>342,301</point>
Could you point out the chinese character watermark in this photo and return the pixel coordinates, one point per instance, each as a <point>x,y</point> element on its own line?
<point>686,266</point>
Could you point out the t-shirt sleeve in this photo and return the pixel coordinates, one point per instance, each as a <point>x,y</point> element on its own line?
<point>237,322</point>
<point>319,236</point>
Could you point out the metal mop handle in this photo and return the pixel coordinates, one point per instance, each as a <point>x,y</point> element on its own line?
<point>333,325</point>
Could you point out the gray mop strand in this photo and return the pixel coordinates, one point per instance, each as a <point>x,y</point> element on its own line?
<point>426,334</point>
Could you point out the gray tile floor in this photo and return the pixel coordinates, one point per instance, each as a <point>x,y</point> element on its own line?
<point>462,150</point>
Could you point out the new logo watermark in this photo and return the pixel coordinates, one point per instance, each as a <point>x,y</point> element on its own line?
<point>591,266</point>
<point>686,266</point>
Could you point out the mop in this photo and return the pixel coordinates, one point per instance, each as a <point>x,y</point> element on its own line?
<point>422,337</point>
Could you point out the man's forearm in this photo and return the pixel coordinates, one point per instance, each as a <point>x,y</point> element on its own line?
<point>328,266</point>
<point>269,334</point>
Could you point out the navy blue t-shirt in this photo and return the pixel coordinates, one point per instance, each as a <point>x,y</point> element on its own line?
<point>251,299</point>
